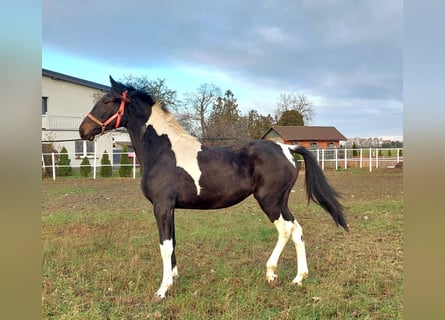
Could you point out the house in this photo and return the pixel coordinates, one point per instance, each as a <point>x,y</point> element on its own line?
<point>66,101</point>
<point>311,137</point>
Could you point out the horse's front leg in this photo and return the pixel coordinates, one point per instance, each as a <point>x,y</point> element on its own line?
<point>165,221</point>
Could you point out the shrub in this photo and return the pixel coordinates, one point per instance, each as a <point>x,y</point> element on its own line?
<point>125,168</point>
<point>105,169</point>
<point>65,168</point>
<point>85,167</point>
<point>354,151</point>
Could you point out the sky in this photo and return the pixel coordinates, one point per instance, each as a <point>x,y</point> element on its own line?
<point>345,56</point>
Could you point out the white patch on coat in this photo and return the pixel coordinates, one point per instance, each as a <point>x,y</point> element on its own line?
<point>167,275</point>
<point>287,153</point>
<point>185,146</point>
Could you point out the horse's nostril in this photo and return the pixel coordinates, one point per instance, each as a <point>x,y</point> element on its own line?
<point>81,132</point>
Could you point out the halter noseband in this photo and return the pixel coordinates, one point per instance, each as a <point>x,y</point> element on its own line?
<point>117,115</point>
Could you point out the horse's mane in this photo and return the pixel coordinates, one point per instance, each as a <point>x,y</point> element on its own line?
<point>161,112</point>
<point>159,108</point>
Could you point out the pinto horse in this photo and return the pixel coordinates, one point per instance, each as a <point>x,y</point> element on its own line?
<point>179,172</point>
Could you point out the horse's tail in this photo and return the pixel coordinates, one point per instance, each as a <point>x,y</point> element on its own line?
<point>318,189</point>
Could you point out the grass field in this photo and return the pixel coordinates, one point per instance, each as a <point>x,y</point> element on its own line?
<point>101,255</point>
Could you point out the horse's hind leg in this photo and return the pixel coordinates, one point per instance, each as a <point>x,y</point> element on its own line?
<point>284,229</point>
<point>287,227</point>
<point>297,238</point>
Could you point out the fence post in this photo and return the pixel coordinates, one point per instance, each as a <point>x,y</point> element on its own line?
<point>361,158</point>
<point>370,159</point>
<point>336,158</point>
<point>398,155</point>
<point>43,162</point>
<point>54,165</point>
<point>377,158</point>
<point>322,159</point>
<point>346,158</point>
<point>94,159</point>
<point>134,165</point>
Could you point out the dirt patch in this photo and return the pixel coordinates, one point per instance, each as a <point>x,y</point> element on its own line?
<point>124,194</point>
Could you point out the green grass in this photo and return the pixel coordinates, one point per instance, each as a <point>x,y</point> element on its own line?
<point>101,258</point>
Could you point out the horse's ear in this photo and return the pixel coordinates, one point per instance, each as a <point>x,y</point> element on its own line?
<point>116,87</point>
<point>114,84</point>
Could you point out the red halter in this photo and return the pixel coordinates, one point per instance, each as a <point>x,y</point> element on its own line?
<point>117,115</point>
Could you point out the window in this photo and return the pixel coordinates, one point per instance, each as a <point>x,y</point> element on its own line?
<point>84,148</point>
<point>314,145</point>
<point>44,105</point>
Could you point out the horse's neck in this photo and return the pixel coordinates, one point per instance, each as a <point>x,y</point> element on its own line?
<point>184,146</point>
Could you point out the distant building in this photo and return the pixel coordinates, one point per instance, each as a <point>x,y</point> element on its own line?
<point>311,137</point>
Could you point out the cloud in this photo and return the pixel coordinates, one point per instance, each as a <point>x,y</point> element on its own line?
<point>342,50</point>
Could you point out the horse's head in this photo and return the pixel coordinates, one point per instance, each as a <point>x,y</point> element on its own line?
<point>108,113</point>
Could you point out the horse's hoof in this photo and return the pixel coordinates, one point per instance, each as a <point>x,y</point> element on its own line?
<point>157,299</point>
<point>273,283</point>
<point>299,279</point>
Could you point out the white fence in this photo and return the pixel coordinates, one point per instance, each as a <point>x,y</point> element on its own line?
<point>363,158</point>
<point>336,158</point>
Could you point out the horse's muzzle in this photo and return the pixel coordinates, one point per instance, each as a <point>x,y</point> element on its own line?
<point>86,133</point>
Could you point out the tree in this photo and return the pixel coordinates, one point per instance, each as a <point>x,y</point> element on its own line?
<point>299,103</point>
<point>257,124</point>
<point>85,167</point>
<point>64,164</point>
<point>200,103</point>
<point>105,166</point>
<point>125,168</point>
<point>160,91</point>
<point>156,88</point>
<point>224,123</point>
<point>291,118</point>
<point>354,150</point>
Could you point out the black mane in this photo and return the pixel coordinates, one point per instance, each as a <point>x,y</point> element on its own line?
<point>143,95</point>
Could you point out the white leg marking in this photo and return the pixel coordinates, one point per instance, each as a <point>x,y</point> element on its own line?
<point>185,146</point>
<point>175,273</point>
<point>284,229</point>
<point>167,277</point>
<point>297,238</point>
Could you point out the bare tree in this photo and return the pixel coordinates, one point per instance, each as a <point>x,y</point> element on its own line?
<point>156,88</point>
<point>201,102</point>
<point>297,102</point>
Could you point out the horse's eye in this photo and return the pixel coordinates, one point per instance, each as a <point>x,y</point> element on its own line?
<point>108,100</point>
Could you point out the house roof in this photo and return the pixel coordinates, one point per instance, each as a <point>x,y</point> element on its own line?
<point>60,76</point>
<point>307,133</point>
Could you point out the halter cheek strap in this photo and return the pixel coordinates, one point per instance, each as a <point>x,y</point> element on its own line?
<point>116,116</point>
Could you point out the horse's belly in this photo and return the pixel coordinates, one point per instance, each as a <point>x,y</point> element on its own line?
<point>214,198</point>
